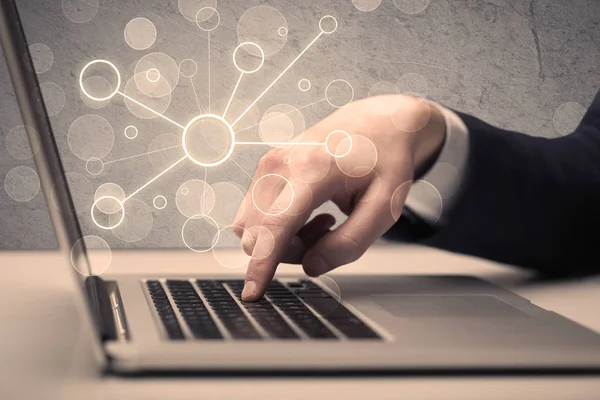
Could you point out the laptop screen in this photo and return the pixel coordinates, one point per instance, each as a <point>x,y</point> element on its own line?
<point>147,101</point>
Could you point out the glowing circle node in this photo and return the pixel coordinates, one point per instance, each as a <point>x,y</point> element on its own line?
<point>159,202</point>
<point>208,140</point>
<point>94,166</point>
<point>304,85</point>
<point>113,67</point>
<point>153,75</point>
<point>108,200</point>
<point>251,48</point>
<point>283,31</point>
<point>131,132</point>
<point>328,24</point>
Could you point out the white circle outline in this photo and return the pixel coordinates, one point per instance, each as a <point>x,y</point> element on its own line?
<point>342,132</point>
<point>109,228</point>
<point>374,165</point>
<point>282,29</point>
<point>262,57</point>
<point>94,159</point>
<point>195,65</point>
<point>304,80</point>
<point>148,76</point>
<point>287,159</point>
<point>368,9</point>
<point>130,137</point>
<point>83,239</point>
<point>321,25</point>
<point>113,66</point>
<point>218,18</point>
<point>137,19</point>
<point>162,198</point>
<point>331,83</point>
<point>211,220</point>
<point>221,120</point>
<point>218,235</point>
<point>284,210</point>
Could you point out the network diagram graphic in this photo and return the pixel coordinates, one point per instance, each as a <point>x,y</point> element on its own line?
<point>208,139</point>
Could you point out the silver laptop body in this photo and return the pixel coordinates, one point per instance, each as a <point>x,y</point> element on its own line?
<point>139,324</point>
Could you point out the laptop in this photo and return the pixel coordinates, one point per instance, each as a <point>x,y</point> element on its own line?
<point>149,323</point>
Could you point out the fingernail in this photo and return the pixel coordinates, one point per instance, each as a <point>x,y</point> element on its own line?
<point>249,290</point>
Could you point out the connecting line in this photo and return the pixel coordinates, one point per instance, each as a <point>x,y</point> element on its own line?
<point>283,143</point>
<point>204,193</point>
<point>196,94</point>
<point>151,110</point>
<point>143,154</point>
<point>278,78</point>
<point>243,170</point>
<point>233,94</point>
<point>209,100</point>
<point>155,178</point>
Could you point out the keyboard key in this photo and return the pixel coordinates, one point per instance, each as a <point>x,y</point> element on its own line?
<point>194,312</point>
<point>266,316</point>
<point>293,308</point>
<point>228,311</point>
<point>335,313</point>
<point>165,311</point>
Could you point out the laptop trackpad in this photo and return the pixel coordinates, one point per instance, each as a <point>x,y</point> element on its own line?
<point>445,306</point>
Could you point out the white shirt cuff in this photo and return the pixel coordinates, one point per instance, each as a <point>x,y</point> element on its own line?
<point>433,197</point>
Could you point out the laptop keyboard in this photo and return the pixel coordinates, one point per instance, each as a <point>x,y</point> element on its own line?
<point>213,310</point>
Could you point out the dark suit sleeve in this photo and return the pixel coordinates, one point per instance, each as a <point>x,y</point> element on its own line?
<point>526,201</point>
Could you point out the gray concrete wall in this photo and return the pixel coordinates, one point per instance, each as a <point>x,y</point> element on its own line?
<point>531,66</point>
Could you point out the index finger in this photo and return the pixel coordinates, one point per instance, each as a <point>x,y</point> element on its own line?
<point>281,224</point>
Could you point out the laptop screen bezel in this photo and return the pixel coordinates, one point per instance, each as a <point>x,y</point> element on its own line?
<point>47,160</point>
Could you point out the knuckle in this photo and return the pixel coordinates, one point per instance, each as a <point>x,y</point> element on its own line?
<point>351,248</point>
<point>269,161</point>
<point>311,157</point>
<point>274,223</point>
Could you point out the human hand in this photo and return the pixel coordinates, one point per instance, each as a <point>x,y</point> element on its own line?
<point>364,158</point>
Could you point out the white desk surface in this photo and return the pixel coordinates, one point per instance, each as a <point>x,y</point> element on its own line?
<point>40,356</point>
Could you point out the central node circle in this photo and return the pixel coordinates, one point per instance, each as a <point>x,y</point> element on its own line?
<point>208,140</point>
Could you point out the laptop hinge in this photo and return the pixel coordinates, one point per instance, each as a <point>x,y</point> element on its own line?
<point>101,308</point>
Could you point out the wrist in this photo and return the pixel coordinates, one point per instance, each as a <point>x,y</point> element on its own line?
<point>430,139</point>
